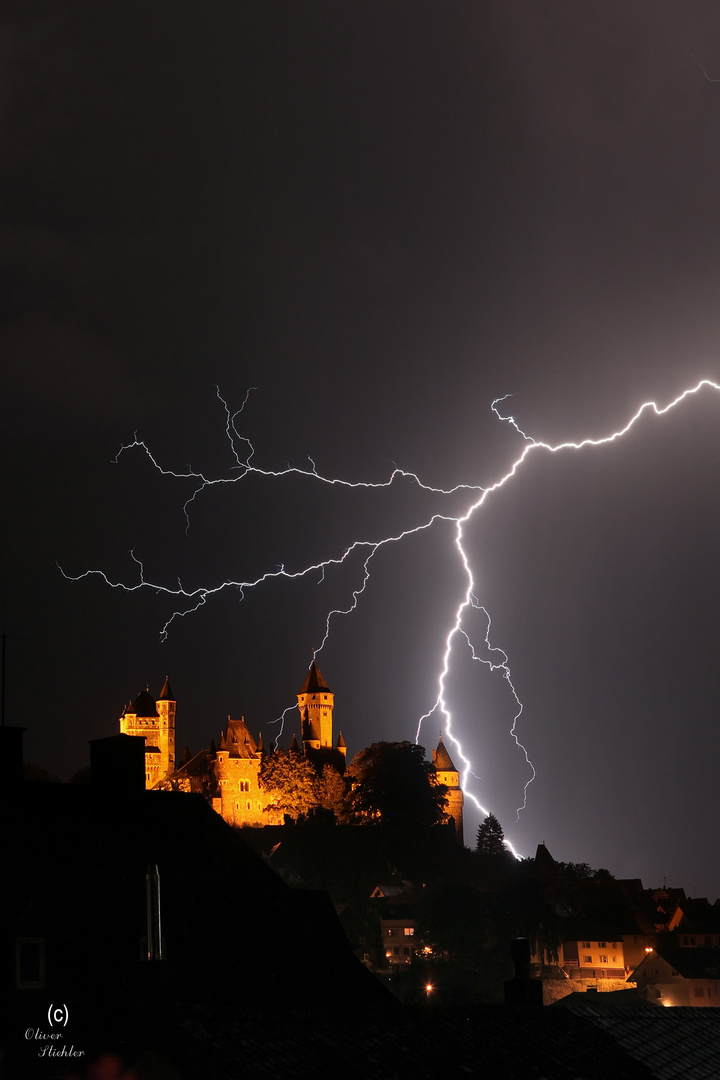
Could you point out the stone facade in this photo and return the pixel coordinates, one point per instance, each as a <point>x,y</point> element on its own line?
<point>155,722</point>
<point>229,776</point>
<point>447,774</point>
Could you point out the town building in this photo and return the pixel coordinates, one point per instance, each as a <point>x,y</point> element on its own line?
<point>670,976</point>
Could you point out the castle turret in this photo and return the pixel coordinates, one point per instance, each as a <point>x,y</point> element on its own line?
<point>316,702</point>
<point>447,774</point>
<point>165,706</point>
<point>155,722</point>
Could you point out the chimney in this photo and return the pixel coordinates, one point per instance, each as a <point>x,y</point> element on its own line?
<point>522,989</point>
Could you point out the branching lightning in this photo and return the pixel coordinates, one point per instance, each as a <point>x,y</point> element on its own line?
<point>702,67</point>
<point>497,660</point>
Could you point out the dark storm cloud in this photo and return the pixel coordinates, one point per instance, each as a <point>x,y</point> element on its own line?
<point>382,216</point>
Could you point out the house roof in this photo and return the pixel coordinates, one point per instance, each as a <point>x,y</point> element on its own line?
<point>702,963</point>
<point>681,1043</point>
<point>314,681</point>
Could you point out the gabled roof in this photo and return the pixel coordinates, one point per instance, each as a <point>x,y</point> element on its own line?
<point>144,704</point>
<point>166,693</point>
<point>702,963</point>
<point>314,681</point>
<point>237,739</point>
<point>441,758</point>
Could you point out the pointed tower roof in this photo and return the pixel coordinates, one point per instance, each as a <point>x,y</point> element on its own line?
<point>166,693</point>
<point>442,759</point>
<point>341,741</point>
<point>144,704</point>
<point>314,681</point>
<point>260,747</point>
<point>294,746</point>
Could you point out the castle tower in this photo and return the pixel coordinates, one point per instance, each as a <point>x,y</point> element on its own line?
<point>447,774</point>
<point>316,702</point>
<point>241,799</point>
<point>154,722</point>
<point>165,706</point>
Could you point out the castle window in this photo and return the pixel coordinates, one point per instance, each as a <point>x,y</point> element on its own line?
<point>249,806</point>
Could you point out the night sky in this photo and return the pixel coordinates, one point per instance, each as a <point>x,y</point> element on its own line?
<point>381,216</point>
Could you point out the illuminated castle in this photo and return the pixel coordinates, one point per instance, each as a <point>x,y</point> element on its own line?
<point>447,774</point>
<point>155,721</point>
<point>229,776</point>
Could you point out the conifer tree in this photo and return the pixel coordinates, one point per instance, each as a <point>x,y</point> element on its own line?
<point>490,837</point>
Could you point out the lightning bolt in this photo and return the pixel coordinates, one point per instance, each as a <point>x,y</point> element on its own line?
<point>697,63</point>
<point>497,660</point>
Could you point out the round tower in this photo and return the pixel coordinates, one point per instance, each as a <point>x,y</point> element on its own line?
<point>316,702</point>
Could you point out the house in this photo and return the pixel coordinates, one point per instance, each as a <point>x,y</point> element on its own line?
<point>672,976</point>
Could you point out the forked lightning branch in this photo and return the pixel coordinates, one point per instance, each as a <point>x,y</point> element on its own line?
<point>243,455</point>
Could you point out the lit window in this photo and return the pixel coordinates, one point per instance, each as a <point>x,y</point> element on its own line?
<point>409,931</point>
<point>390,931</point>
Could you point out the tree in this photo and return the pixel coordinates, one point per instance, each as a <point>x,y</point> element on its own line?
<point>490,837</point>
<point>392,784</point>
<point>291,782</point>
<point>332,793</point>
